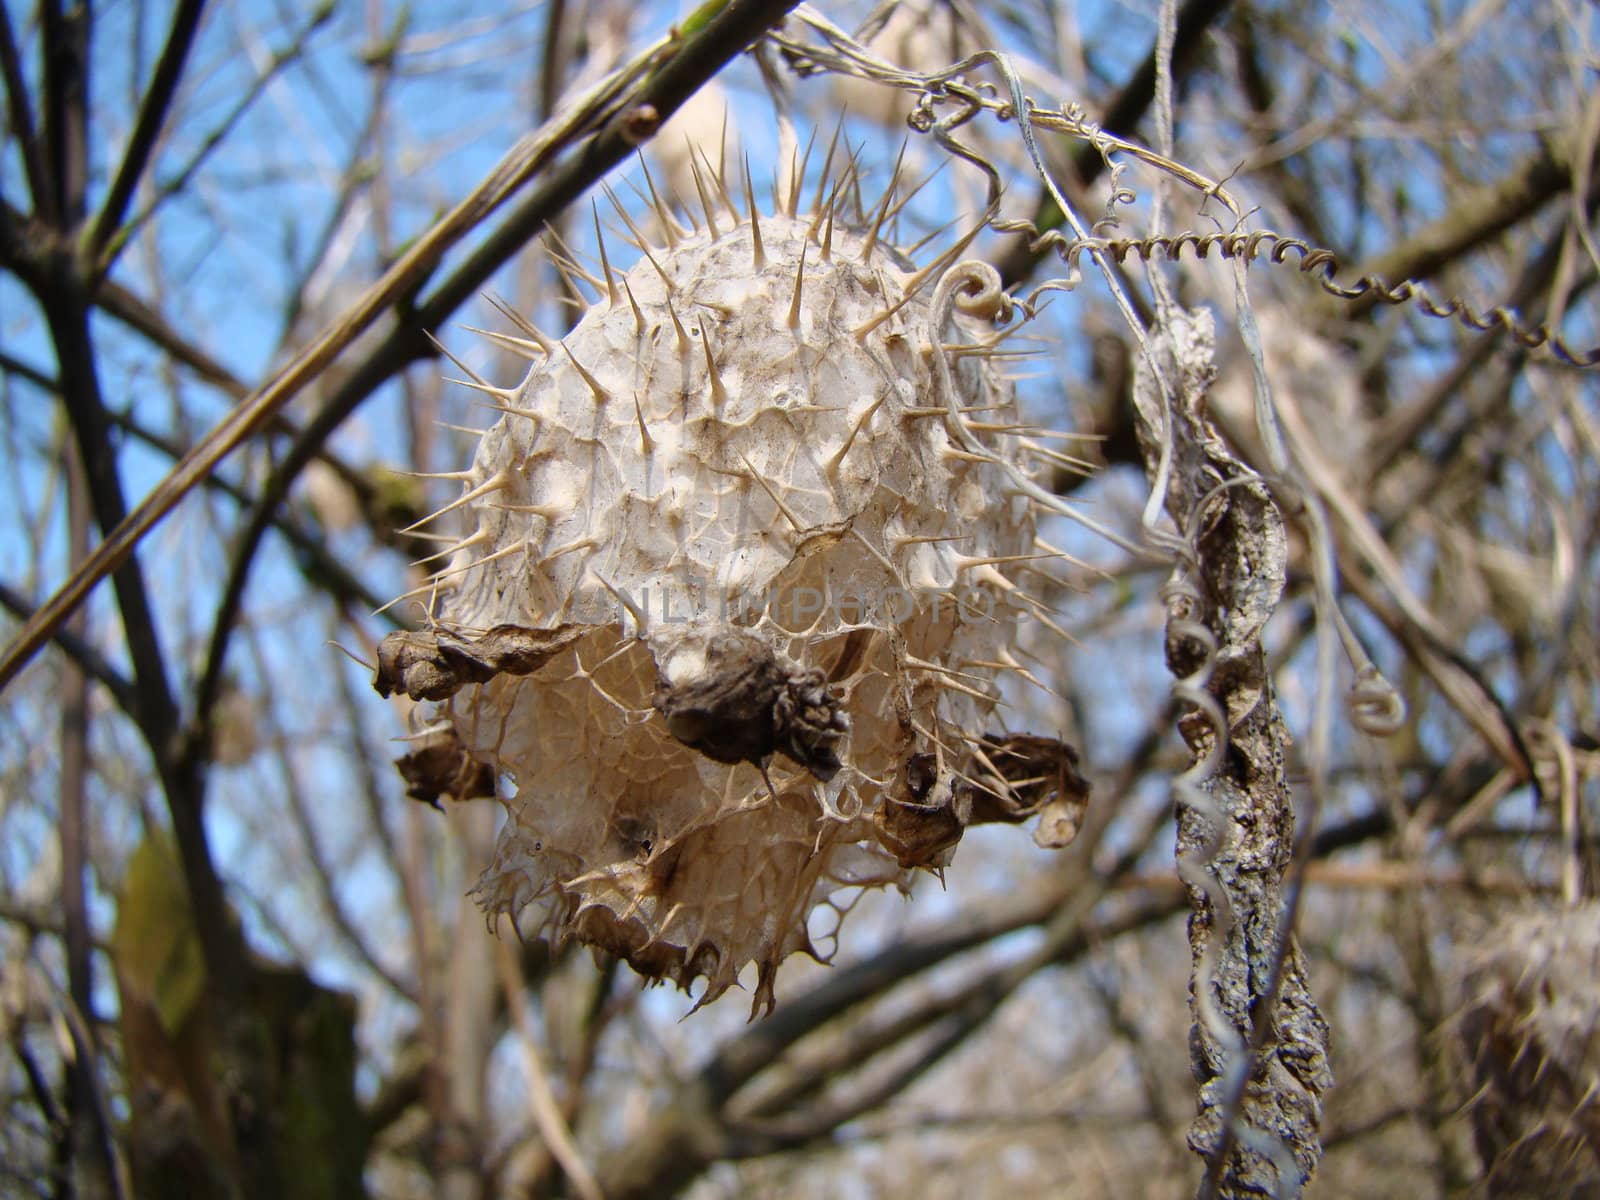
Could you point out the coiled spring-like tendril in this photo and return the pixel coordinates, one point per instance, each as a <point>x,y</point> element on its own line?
<point>1323,264</point>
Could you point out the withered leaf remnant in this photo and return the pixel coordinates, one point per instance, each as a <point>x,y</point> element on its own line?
<point>435,666</point>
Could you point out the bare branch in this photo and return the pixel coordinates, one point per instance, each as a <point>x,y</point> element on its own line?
<point>153,110</point>
<point>88,659</point>
<point>671,72</point>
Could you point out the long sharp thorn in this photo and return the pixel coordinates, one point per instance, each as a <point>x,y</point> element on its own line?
<point>521,347</point>
<point>1067,461</point>
<point>638,239</point>
<point>767,487</point>
<point>646,441</point>
<point>569,277</point>
<point>967,563</point>
<point>566,260</point>
<point>799,280</point>
<point>1004,662</point>
<point>506,552</point>
<point>719,394</point>
<point>883,206</point>
<point>662,272</point>
<point>933,737</point>
<point>832,465</point>
<point>638,315</point>
<point>490,485</point>
<point>478,381</point>
<point>721,175</point>
<point>431,588</point>
<point>688,215</point>
<point>486,389</point>
<point>954,686</point>
<point>605,263</point>
<point>827,164</point>
<point>849,176</point>
<point>684,341</point>
<point>875,552</point>
<point>531,414</point>
<point>1065,435</point>
<point>669,227</point>
<point>456,476</point>
<point>823,216</point>
<point>600,393</point>
<point>758,252</point>
<point>1057,552</point>
<point>719,181</point>
<point>417,535</point>
<point>855,186</point>
<point>477,538</point>
<point>571,547</point>
<point>700,186</point>
<point>797,175</point>
<point>913,539</point>
<point>539,338</point>
<point>623,599</point>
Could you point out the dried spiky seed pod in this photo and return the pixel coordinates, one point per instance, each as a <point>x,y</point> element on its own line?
<point>753,521</point>
<point>1531,1033</point>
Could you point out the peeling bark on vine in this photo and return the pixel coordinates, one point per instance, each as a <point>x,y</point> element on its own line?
<point>1237,574</point>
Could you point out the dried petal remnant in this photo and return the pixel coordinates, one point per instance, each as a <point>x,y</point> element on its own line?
<point>434,666</point>
<point>439,765</point>
<point>922,828</point>
<point>729,696</point>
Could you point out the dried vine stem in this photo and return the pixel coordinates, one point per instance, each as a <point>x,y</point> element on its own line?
<point>1236,817</point>
<point>836,51</point>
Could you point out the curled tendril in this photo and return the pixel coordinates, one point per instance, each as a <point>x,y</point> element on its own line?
<point>1182,600</point>
<point>980,284</point>
<point>1375,705</point>
<point>981,293</point>
<point>1322,264</point>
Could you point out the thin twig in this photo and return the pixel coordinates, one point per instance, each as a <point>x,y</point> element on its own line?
<point>546,1112</point>
<point>22,126</point>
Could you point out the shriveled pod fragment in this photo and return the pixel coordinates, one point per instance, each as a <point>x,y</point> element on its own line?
<point>739,578</point>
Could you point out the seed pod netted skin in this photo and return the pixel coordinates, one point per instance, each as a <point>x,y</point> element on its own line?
<point>763,590</point>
